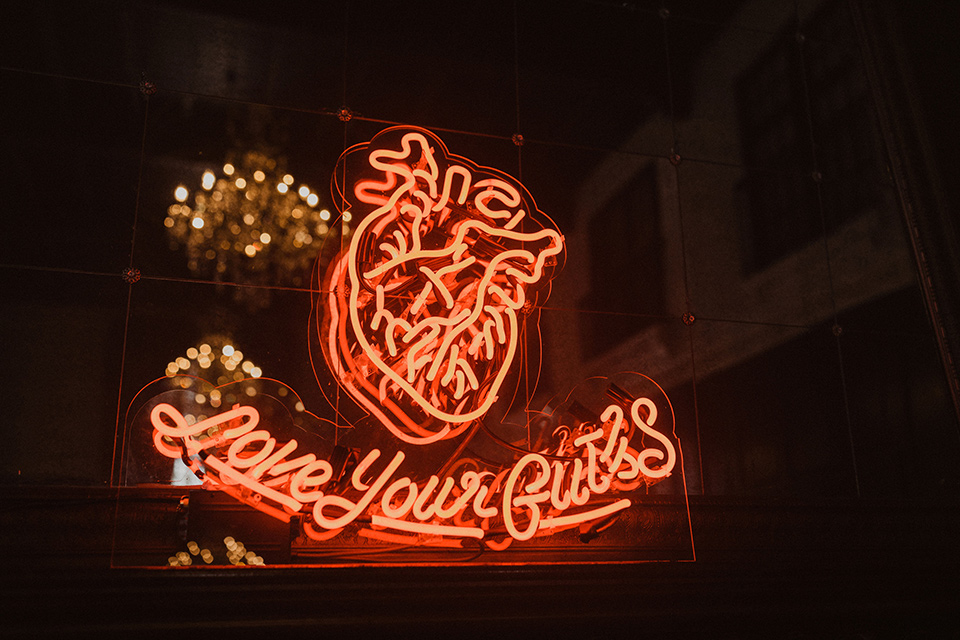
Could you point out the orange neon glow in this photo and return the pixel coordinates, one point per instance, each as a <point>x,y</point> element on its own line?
<point>534,496</point>
<point>419,320</point>
<point>423,314</point>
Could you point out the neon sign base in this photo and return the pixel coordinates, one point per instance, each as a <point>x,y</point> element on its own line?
<point>154,524</point>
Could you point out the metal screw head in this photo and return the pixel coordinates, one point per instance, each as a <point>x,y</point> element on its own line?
<point>675,159</point>
<point>147,88</point>
<point>517,139</point>
<point>131,275</point>
<point>688,318</point>
<point>664,13</point>
<point>345,114</point>
<point>817,176</point>
<point>836,330</point>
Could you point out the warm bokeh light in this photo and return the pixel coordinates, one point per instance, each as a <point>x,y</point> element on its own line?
<point>217,365</point>
<point>208,180</point>
<point>249,223</point>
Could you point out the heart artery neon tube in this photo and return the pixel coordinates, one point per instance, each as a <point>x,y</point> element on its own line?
<point>532,496</point>
<point>424,307</point>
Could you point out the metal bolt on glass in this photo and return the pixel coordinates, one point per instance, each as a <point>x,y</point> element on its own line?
<point>131,275</point>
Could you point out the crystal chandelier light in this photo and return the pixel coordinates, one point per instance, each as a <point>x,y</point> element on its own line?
<point>252,224</point>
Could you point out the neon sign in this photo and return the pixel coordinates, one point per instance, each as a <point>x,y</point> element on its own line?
<point>420,321</point>
<point>533,495</point>
<point>424,308</point>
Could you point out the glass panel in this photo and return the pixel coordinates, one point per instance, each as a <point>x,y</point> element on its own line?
<point>220,335</point>
<point>624,256</point>
<point>437,64</point>
<point>574,92</point>
<point>771,411</point>
<point>754,246</point>
<point>770,16</point>
<point>236,193</point>
<point>69,172</point>
<point>63,340</point>
<point>740,96</point>
<point>826,21</point>
<point>904,428</point>
<point>251,51</point>
<point>658,350</point>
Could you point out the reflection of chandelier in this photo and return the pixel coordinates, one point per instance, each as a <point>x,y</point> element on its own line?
<point>217,362</point>
<point>252,225</point>
<point>220,363</point>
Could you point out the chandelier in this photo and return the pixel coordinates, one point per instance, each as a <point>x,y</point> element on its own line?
<point>252,223</point>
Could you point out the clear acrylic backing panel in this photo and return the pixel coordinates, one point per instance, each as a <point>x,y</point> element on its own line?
<point>429,442</point>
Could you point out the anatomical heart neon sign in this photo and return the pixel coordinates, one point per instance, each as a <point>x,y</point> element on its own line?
<point>424,326</point>
<point>424,307</point>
